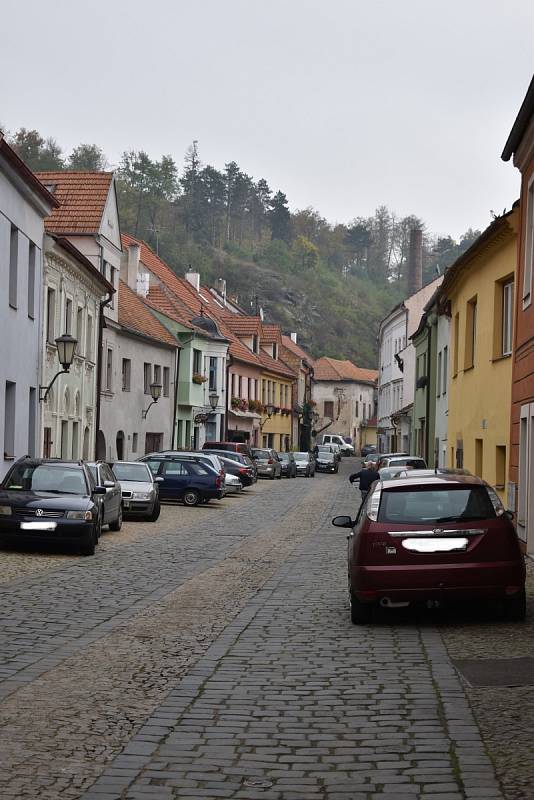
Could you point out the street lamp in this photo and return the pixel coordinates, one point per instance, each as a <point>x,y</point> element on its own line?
<point>269,410</point>
<point>214,401</point>
<point>66,347</point>
<point>155,393</point>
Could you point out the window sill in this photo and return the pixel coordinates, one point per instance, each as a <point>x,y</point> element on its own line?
<point>8,458</point>
<point>499,486</point>
<point>470,367</point>
<point>501,358</point>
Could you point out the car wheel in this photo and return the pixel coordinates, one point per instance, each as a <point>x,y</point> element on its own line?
<point>515,609</point>
<point>191,498</point>
<point>155,512</point>
<point>88,547</point>
<point>117,525</point>
<point>360,613</point>
<point>313,474</point>
<point>279,476</point>
<point>336,471</point>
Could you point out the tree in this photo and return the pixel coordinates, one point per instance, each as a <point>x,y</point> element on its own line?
<point>305,254</point>
<point>87,158</point>
<point>279,217</point>
<point>39,154</point>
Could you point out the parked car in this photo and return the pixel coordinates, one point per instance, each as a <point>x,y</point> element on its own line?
<point>325,460</point>
<point>232,447</point>
<point>415,462</point>
<point>267,462</point>
<point>140,490</point>
<point>50,500</point>
<point>232,484</point>
<point>367,449</point>
<point>438,540</point>
<point>305,464</point>
<point>199,455</point>
<point>244,460</point>
<point>333,448</point>
<point>345,447</point>
<point>289,465</point>
<point>185,478</point>
<point>111,501</point>
<point>388,473</point>
<point>245,473</point>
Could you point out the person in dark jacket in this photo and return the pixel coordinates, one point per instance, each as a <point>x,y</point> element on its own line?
<point>366,477</point>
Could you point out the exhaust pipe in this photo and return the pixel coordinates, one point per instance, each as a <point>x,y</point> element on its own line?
<point>386,602</point>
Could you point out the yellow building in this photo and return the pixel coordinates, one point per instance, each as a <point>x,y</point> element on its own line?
<point>480,289</point>
<point>277,383</point>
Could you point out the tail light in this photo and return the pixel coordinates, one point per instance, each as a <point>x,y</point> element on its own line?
<point>218,482</point>
<point>243,471</point>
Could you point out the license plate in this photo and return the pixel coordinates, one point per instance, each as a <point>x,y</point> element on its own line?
<point>38,526</point>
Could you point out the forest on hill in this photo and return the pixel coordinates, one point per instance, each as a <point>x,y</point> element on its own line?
<point>332,283</point>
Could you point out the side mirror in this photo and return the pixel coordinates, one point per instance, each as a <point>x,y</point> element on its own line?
<point>342,522</point>
<point>109,485</point>
<point>99,490</point>
<point>159,479</point>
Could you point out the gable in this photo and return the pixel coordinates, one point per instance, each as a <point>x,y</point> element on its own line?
<point>110,226</point>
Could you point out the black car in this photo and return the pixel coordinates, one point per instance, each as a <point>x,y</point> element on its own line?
<point>289,465</point>
<point>325,460</point>
<point>111,501</point>
<point>367,449</point>
<point>246,473</point>
<point>50,500</point>
<point>185,478</point>
<point>241,458</point>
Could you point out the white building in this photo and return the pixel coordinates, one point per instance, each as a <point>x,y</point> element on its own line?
<point>73,291</point>
<point>24,203</point>
<point>345,397</point>
<point>396,372</point>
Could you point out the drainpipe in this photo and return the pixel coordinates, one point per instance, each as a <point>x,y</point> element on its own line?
<point>229,363</point>
<point>427,430</point>
<point>101,325</point>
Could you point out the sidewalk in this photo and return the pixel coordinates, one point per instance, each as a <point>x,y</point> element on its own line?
<point>292,702</point>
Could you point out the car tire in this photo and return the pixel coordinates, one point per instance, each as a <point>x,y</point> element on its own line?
<point>155,512</point>
<point>313,474</point>
<point>515,609</point>
<point>191,497</point>
<point>117,524</point>
<point>336,471</point>
<point>360,613</point>
<point>280,476</point>
<point>89,546</point>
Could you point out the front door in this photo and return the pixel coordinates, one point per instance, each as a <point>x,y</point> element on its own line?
<point>153,442</point>
<point>175,479</point>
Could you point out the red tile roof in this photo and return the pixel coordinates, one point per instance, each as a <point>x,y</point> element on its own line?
<point>134,315</point>
<point>275,365</point>
<point>271,333</point>
<point>332,369</point>
<point>296,349</point>
<point>82,198</point>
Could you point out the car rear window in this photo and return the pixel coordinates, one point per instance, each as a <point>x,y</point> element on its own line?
<point>301,456</point>
<point>436,505</point>
<point>261,453</point>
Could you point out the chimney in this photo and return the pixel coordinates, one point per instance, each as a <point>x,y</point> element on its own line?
<point>415,261</point>
<point>221,288</point>
<point>193,278</point>
<point>293,337</point>
<point>130,266</point>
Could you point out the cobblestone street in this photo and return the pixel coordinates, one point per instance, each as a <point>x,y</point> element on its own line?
<point>211,655</point>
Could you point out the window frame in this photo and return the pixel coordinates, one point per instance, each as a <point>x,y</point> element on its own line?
<point>507,332</point>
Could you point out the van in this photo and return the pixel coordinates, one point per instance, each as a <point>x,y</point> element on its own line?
<point>336,438</point>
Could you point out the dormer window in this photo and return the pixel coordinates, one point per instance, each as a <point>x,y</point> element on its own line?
<point>254,344</point>
<point>275,350</point>
<point>51,187</point>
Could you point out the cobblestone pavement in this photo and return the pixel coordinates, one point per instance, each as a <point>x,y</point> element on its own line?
<point>211,655</point>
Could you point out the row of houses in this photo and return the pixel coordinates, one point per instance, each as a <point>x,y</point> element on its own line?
<point>106,352</point>
<point>456,374</point>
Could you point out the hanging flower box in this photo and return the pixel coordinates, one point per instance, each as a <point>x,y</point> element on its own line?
<point>238,404</point>
<point>198,378</point>
<point>256,405</point>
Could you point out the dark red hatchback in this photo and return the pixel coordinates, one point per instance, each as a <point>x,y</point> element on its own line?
<point>437,539</point>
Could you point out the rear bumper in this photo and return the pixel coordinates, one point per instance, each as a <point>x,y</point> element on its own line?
<point>325,467</point>
<point>267,470</point>
<point>450,582</point>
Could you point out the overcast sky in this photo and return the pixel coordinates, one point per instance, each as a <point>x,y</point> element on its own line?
<point>342,104</point>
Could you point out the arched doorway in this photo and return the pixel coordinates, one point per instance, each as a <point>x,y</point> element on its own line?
<point>100,446</point>
<point>85,451</point>
<point>120,445</point>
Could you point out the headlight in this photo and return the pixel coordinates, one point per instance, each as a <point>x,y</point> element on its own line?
<point>5,511</point>
<point>143,495</point>
<point>87,516</point>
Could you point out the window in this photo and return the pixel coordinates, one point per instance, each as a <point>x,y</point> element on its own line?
<point>89,338</point>
<point>47,443</point>
<point>50,316</point>
<point>254,344</point>
<point>197,362</point>
<point>68,316</point>
<point>529,247</point>
<point>275,351</point>
<point>157,374</point>
<point>31,280</point>
<point>507,317</point>
<point>13,266</point>
<point>147,377</point>
<point>79,330</point>
<point>135,439</point>
<point>423,506</point>
<point>263,394</point>
<point>109,369</point>
<point>479,457</point>
<point>445,369</point>
<point>455,356</point>
<point>9,419</point>
<point>32,413</point>
<point>438,389</point>
<point>500,466</point>
<point>357,409</point>
<point>470,333</point>
<point>166,381</point>
<point>329,409</point>
<point>213,376</point>
<point>126,374</point>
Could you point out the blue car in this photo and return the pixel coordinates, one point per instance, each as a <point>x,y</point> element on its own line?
<point>185,479</point>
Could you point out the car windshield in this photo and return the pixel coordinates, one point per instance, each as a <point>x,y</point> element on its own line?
<point>283,456</point>
<point>261,454</point>
<point>47,478</point>
<point>438,504</point>
<point>301,456</point>
<point>132,472</point>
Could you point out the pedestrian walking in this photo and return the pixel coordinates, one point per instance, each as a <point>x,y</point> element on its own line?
<point>366,477</point>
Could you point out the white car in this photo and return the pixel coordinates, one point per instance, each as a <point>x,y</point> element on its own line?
<point>140,493</point>
<point>232,484</point>
<point>335,438</point>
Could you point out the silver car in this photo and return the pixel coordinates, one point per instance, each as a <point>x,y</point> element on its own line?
<point>140,494</point>
<point>305,464</point>
<point>232,484</point>
<point>267,462</point>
